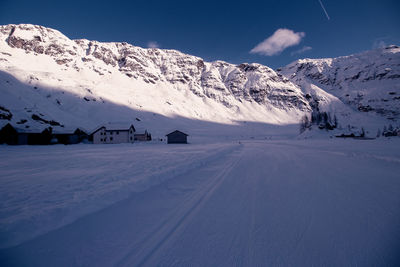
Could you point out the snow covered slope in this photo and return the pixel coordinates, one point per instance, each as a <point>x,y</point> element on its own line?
<point>368,82</point>
<point>86,83</point>
<point>46,79</point>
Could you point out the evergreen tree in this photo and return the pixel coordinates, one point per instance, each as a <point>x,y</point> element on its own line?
<point>304,124</point>
<point>335,122</point>
<point>324,118</point>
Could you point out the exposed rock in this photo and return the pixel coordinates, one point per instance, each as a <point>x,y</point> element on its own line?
<point>351,79</point>
<point>358,80</point>
<point>5,114</point>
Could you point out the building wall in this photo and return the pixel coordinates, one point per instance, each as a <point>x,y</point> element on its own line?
<point>177,138</point>
<point>67,139</point>
<point>104,136</point>
<point>98,136</point>
<point>43,138</point>
<point>8,135</point>
<point>22,139</point>
<point>142,137</point>
<point>117,137</point>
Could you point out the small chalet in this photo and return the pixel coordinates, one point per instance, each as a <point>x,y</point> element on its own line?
<point>142,135</point>
<point>25,136</point>
<point>114,134</point>
<point>177,137</point>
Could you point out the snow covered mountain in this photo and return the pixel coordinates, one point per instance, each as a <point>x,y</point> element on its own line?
<point>50,78</point>
<point>368,82</point>
<point>46,79</point>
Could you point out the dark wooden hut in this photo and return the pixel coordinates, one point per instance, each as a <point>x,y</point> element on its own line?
<point>68,137</point>
<point>177,137</point>
<point>15,136</point>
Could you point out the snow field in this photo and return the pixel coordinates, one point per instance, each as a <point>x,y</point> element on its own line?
<point>261,202</point>
<point>46,187</point>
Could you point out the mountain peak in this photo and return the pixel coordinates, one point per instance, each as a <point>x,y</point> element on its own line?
<point>171,83</point>
<point>161,81</point>
<point>368,82</point>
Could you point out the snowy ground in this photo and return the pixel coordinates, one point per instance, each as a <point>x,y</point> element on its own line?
<point>254,203</point>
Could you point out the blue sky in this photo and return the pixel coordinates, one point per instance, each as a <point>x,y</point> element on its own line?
<point>225,30</point>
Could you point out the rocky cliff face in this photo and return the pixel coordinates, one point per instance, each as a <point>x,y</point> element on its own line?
<point>368,82</point>
<point>219,80</point>
<point>56,73</point>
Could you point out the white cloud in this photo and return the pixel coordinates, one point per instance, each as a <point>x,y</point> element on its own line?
<point>301,50</point>
<point>277,42</point>
<point>153,44</point>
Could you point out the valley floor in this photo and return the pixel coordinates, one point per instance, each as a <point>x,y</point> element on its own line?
<point>250,203</point>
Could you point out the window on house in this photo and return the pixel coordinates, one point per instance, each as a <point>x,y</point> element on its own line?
<point>117,132</point>
<point>131,131</point>
<point>111,138</point>
<point>131,138</point>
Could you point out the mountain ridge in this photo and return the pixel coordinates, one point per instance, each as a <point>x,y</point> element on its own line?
<point>367,81</point>
<point>161,81</point>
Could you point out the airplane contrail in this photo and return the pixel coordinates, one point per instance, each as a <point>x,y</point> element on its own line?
<point>326,13</point>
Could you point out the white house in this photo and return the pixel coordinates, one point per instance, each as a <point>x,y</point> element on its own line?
<point>114,134</point>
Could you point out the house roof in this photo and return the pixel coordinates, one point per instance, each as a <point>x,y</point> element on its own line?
<point>141,130</point>
<point>22,129</point>
<point>176,132</point>
<point>67,130</point>
<point>3,123</point>
<point>115,127</point>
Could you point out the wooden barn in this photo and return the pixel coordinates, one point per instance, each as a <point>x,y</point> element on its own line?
<point>142,135</point>
<point>71,136</point>
<point>177,137</point>
<point>24,136</point>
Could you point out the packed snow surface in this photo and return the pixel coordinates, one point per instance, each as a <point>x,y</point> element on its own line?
<point>249,203</point>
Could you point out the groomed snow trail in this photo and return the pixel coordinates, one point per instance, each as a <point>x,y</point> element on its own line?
<point>261,204</point>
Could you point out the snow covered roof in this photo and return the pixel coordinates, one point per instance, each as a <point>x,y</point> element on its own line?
<point>29,130</point>
<point>22,129</point>
<point>3,123</point>
<point>67,130</point>
<point>40,128</point>
<point>140,130</point>
<point>177,131</point>
<point>115,127</point>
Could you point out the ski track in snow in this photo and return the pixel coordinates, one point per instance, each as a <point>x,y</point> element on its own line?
<point>170,229</point>
<point>44,188</point>
<point>258,203</point>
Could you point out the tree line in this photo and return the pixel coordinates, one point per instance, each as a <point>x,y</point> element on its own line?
<point>324,120</point>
